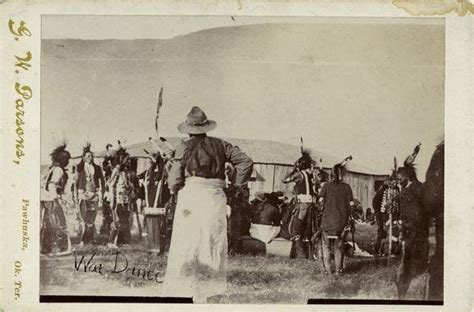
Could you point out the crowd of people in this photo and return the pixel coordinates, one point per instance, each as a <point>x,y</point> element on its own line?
<point>111,187</point>
<point>207,204</point>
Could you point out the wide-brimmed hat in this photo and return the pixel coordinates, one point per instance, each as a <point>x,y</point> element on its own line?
<point>196,122</point>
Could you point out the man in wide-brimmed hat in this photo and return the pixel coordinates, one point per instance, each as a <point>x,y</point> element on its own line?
<point>198,251</point>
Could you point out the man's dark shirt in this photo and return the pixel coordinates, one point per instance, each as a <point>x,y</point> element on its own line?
<point>205,157</point>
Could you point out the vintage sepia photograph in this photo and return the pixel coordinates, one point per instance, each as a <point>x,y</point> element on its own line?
<point>242,159</point>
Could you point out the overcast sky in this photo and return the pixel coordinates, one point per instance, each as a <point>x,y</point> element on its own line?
<point>368,87</point>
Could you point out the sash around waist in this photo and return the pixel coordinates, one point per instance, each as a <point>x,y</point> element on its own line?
<point>203,182</point>
<point>305,198</point>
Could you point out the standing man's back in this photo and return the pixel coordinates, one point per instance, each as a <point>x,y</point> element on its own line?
<point>197,260</point>
<point>205,157</point>
<point>337,206</point>
<point>337,200</point>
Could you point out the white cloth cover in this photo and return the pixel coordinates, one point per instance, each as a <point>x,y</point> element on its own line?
<point>279,247</point>
<point>197,258</point>
<point>264,233</point>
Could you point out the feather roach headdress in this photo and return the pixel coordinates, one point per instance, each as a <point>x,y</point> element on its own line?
<point>411,158</point>
<point>60,155</point>
<point>305,161</point>
<point>344,162</point>
<point>86,148</point>
<point>338,168</point>
<point>408,165</point>
<point>120,156</point>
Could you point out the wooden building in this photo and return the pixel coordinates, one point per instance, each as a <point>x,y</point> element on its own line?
<point>274,160</point>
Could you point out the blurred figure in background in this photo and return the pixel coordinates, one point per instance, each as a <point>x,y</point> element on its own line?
<point>106,205</point>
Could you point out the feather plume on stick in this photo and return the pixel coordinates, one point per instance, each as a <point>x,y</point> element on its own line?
<point>158,108</point>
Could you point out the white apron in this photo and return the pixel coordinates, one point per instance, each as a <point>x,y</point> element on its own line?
<point>198,252</point>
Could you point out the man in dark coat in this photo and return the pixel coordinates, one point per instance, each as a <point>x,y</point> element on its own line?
<point>336,198</point>
<point>106,205</point>
<point>90,187</point>
<point>414,229</point>
<point>122,191</point>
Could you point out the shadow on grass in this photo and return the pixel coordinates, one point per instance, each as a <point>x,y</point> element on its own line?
<point>243,277</point>
<point>357,266</point>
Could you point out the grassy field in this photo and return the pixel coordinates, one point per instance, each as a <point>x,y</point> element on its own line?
<point>251,279</point>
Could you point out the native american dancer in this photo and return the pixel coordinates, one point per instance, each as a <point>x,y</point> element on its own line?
<point>390,210</point>
<point>107,167</point>
<point>121,196</point>
<point>337,201</point>
<point>155,196</point>
<point>54,233</point>
<point>387,212</point>
<point>90,188</point>
<point>197,259</point>
<point>414,225</point>
<point>303,213</point>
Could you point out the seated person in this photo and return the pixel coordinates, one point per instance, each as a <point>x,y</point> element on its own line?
<point>369,216</point>
<point>266,219</point>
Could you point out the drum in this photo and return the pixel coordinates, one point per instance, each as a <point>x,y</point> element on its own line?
<point>155,223</point>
